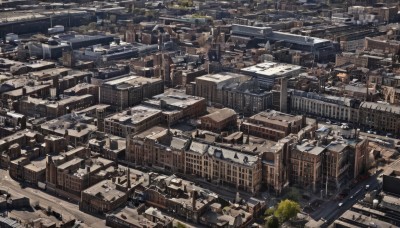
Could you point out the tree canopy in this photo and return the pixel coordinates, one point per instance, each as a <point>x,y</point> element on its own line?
<point>272,222</point>
<point>286,210</point>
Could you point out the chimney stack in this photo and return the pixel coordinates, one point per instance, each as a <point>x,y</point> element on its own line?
<point>194,199</point>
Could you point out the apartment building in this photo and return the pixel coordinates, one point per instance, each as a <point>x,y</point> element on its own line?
<point>320,105</point>
<point>157,147</point>
<point>224,166</point>
<point>127,91</point>
<point>380,116</point>
<point>337,164</point>
<point>273,125</point>
<point>274,165</point>
<point>305,165</point>
<point>74,174</point>
<point>246,97</point>
<point>132,121</point>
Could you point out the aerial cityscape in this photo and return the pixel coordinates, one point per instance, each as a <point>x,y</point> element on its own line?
<point>199,113</point>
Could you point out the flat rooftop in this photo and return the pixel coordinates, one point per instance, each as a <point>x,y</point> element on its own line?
<point>220,77</point>
<point>105,190</point>
<point>275,117</point>
<point>271,69</point>
<point>134,115</point>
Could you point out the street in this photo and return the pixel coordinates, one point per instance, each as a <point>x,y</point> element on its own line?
<point>45,200</point>
<point>331,211</point>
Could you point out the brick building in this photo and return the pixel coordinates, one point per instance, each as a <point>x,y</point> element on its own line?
<point>219,120</point>
<point>273,125</point>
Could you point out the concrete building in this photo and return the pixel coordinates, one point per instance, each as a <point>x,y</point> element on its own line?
<point>132,121</point>
<point>127,91</point>
<point>268,73</point>
<point>272,125</point>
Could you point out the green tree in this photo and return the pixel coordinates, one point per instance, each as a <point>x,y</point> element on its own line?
<point>272,222</point>
<point>286,210</point>
<point>270,211</point>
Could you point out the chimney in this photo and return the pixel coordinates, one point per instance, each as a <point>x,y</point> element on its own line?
<point>129,179</point>
<point>24,91</point>
<point>194,199</point>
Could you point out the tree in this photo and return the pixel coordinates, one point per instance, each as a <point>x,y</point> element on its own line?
<point>272,222</point>
<point>270,211</point>
<point>286,210</point>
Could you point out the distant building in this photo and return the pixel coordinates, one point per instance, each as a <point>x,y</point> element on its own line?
<point>268,73</point>
<point>128,91</point>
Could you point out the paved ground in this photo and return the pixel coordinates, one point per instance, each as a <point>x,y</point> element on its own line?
<point>330,210</point>
<point>46,200</point>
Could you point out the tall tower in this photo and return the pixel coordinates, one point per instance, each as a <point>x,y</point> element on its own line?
<point>100,119</point>
<point>283,95</point>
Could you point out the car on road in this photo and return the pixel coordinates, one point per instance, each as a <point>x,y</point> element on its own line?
<point>328,122</point>
<point>367,187</point>
<point>340,204</point>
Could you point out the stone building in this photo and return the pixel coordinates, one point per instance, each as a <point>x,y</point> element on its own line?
<point>379,116</point>
<point>332,107</point>
<point>127,91</point>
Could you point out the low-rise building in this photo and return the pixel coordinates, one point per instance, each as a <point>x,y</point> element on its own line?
<point>176,105</point>
<point>52,109</point>
<point>219,120</point>
<point>75,128</point>
<point>139,217</point>
<point>108,195</point>
<point>132,121</point>
<point>273,125</point>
